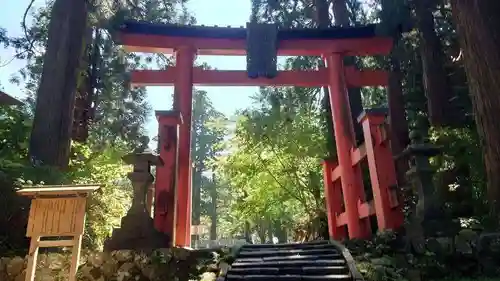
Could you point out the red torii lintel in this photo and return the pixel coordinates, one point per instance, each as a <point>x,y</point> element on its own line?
<point>147,43</point>
<point>313,78</point>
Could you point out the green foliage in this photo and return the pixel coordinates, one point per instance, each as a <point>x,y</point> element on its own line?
<point>273,170</point>
<point>87,166</point>
<point>118,112</point>
<point>208,131</point>
<point>110,203</point>
<point>118,117</point>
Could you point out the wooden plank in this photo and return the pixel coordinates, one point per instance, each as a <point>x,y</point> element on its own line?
<point>58,190</point>
<point>237,47</point>
<point>336,173</point>
<point>366,209</point>
<point>342,219</point>
<point>366,77</point>
<point>358,154</point>
<point>56,217</point>
<point>229,78</point>
<point>56,243</point>
<point>75,257</point>
<point>32,259</point>
<point>303,78</point>
<point>6,99</point>
<point>169,117</point>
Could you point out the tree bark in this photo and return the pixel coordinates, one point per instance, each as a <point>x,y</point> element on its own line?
<point>323,21</point>
<point>397,117</point>
<point>247,233</point>
<point>436,83</point>
<point>51,132</point>
<point>213,209</point>
<point>478,26</point>
<point>341,16</point>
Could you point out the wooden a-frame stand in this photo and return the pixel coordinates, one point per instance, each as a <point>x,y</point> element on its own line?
<point>56,211</point>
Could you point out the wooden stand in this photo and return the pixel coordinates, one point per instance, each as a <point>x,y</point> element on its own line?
<point>56,211</point>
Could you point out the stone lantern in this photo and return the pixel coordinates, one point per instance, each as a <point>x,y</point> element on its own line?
<point>137,230</point>
<point>428,218</point>
<point>421,173</point>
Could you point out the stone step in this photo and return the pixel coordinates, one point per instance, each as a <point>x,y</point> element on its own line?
<point>292,257</point>
<point>308,270</point>
<point>261,277</point>
<point>286,252</point>
<point>289,247</point>
<point>284,245</point>
<point>314,261</point>
<point>290,263</point>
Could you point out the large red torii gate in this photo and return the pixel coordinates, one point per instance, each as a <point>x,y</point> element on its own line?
<point>345,200</point>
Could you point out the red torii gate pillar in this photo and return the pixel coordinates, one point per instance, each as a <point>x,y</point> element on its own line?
<point>344,138</point>
<point>165,199</point>
<point>183,101</point>
<point>382,170</point>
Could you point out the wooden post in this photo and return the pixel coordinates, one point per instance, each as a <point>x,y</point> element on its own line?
<point>344,139</point>
<point>183,101</point>
<point>333,198</point>
<point>56,211</point>
<point>382,170</point>
<point>166,175</point>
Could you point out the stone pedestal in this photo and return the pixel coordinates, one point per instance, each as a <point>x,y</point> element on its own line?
<point>137,231</point>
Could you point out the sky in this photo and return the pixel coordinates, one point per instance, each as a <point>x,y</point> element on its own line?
<point>225,99</point>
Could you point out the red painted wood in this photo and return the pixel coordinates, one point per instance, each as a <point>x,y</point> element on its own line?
<point>183,95</point>
<point>333,198</point>
<point>343,180</point>
<point>382,171</point>
<point>230,47</point>
<point>311,78</point>
<point>165,199</point>
<point>344,139</point>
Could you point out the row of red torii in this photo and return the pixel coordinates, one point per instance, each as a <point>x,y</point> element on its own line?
<point>347,209</point>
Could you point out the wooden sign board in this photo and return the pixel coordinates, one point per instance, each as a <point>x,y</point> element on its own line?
<point>56,211</point>
<point>56,217</point>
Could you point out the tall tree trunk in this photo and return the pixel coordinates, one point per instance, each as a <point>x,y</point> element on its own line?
<point>397,117</point>
<point>436,83</point>
<point>341,15</point>
<point>196,200</point>
<point>280,232</point>
<point>322,19</point>
<point>51,132</point>
<point>213,209</point>
<point>262,231</point>
<point>478,26</point>
<point>247,233</point>
<point>396,101</point>
<point>270,230</point>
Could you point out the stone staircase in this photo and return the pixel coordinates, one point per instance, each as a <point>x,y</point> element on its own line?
<point>312,261</point>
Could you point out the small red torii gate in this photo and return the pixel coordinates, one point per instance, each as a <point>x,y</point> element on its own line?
<point>345,199</point>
